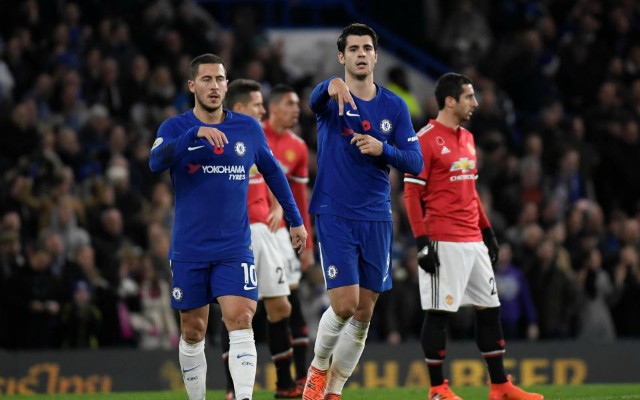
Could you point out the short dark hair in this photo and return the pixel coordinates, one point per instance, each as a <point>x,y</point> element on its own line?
<point>450,85</point>
<point>278,91</point>
<point>239,91</point>
<point>357,29</point>
<point>207,58</point>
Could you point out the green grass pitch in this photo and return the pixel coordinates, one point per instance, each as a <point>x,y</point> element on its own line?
<point>582,392</point>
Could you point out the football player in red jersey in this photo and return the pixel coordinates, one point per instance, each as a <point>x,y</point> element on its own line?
<point>292,153</point>
<point>456,244</point>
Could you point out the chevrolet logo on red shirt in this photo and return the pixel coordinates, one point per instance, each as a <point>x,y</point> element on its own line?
<point>463,165</point>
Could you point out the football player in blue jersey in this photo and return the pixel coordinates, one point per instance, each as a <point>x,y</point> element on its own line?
<point>209,152</point>
<point>363,129</point>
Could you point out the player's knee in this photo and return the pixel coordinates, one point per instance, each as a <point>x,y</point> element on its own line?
<point>278,309</point>
<point>345,310</point>
<point>194,332</point>
<point>242,320</point>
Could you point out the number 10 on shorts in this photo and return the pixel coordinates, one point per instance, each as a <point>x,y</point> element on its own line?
<point>250,276</point>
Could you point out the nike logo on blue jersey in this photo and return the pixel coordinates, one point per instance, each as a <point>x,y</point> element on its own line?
<point>350,114</point>
<point>184,371</point>
<point>194,148</point>
<point>249,287</point>
<point>245,354</point>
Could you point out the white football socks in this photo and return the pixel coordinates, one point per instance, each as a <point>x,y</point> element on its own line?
<point>194,369</point>
<point>329,330</point>
<point>347,354</point>
<point>243,359</point>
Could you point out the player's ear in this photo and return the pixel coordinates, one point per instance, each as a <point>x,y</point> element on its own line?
<point>449,101</point>
<point>192,86</point>
<point>341,57</point>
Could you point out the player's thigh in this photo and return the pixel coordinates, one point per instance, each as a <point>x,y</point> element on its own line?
<point>289,256</point>
<point>236,277</point>
<point>190,284</point>
<point>444,289</point>
<point>374,267</point>
<point>270,270</point>
<point>481,289</point>
<point>338,251</point>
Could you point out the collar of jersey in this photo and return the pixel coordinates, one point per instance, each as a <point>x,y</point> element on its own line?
<point>228,115</point>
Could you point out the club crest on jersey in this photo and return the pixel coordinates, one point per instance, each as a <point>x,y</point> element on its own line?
<point>177,293</point>
<point>240,148</point>
<point>386,126</point>
<point>463,164</point>
<point>290,155</point>
<point>332,271</point>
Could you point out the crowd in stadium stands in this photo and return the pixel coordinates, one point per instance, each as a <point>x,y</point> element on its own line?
<point>85,226</point>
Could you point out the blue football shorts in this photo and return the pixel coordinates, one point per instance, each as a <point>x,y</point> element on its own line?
<point>196,284</point>
<point>355,252</point>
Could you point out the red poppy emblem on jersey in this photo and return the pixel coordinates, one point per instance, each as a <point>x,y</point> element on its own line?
<point>501,343</point>
<point>218,150</point>
<point>366,125</point>
<point>439,141</point>
<point>193,168</point>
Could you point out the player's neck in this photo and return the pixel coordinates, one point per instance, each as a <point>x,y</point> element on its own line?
<point>277,127</point>
<point>364,89</point>
<point>450,121</point>
<point>211,118</point>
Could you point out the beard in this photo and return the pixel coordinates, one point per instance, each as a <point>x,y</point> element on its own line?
<point>205,107</point>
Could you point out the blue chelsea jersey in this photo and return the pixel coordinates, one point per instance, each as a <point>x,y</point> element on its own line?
<point>350,184</point>
<point>210,185</point>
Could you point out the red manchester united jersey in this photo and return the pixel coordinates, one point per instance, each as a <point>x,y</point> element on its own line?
<point>293,155</point>
<point>442,202</point>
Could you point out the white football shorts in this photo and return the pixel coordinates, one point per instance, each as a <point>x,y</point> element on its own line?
<point>291,261</point>
<point>270,265</point>
<point>465,277</point>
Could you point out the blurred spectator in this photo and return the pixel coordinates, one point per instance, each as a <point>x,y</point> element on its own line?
<point>64,221</point>
<point>595,322</point>
<point>109,241</point>
<point>20,135</point>
<point>400,312</point>
<point>465,35</point>
<point>156,322</point>
<point>81,320</point>
<point>626,280</point>
<point>518,314</point>
<point>33,300</point>
<point>398,83</point>
<point>555,295</point>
